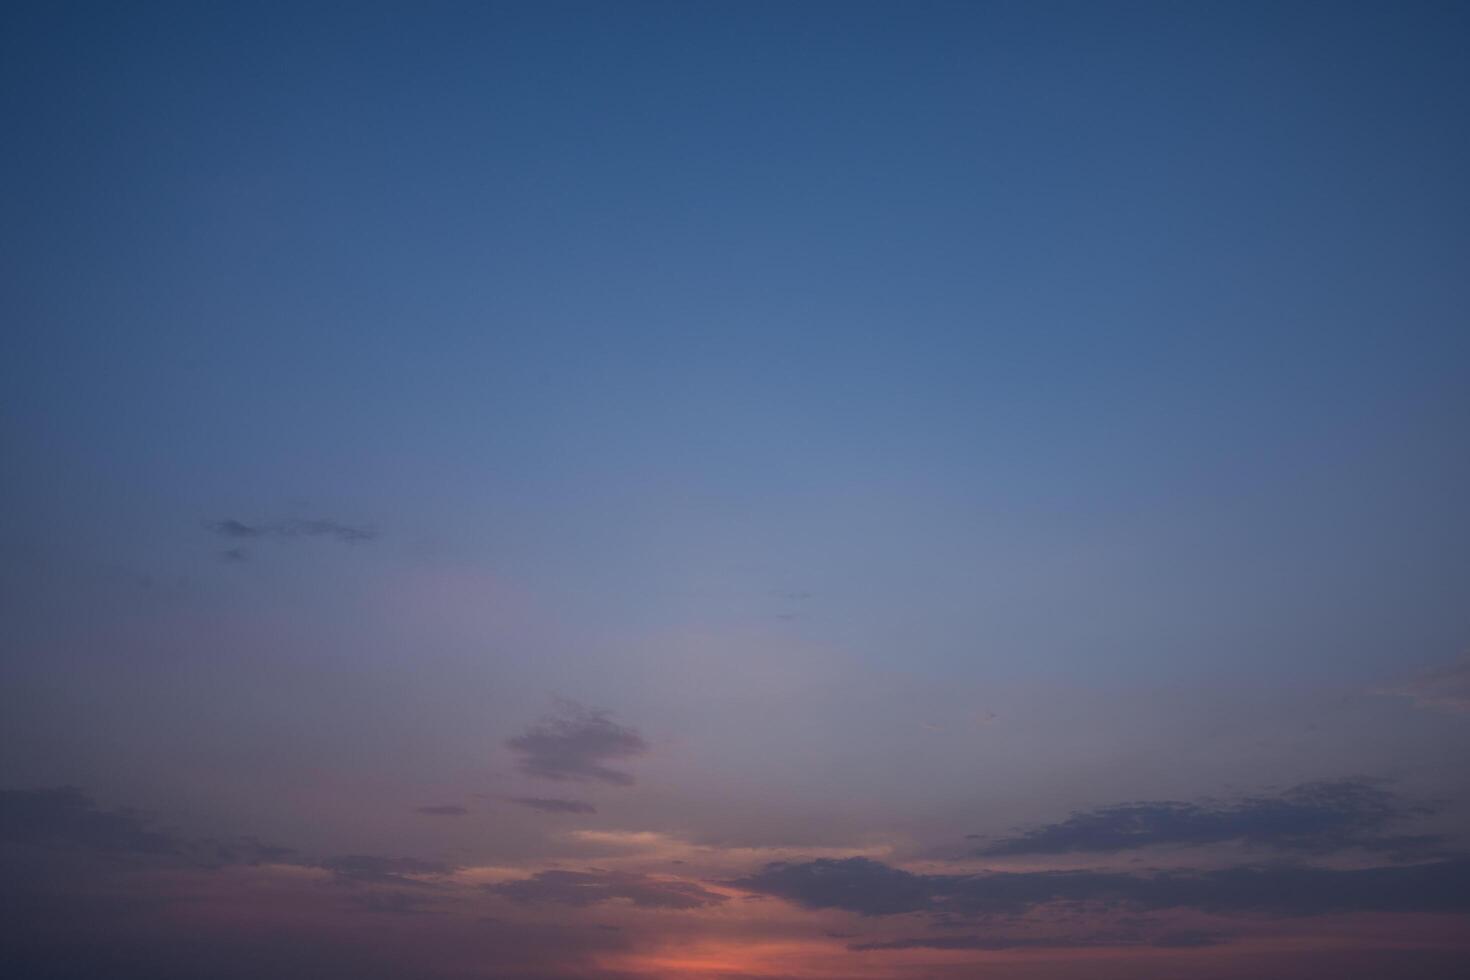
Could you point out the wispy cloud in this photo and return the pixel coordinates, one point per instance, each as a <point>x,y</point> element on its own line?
<point>289,529</point>
<point>383,870</point>
<point>583,888</point>
<point>1446,688</point>
<point>442,810</point>
<point>551,805</point>
<point>574,743</point>
<point>394,903</point>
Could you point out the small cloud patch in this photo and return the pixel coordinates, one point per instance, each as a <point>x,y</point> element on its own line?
<point>575,743</point>
<point>443,810</point>
<point>552,805</point>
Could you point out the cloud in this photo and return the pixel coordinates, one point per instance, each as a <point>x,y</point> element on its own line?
<point>286,530</point>
<point>66,919</point>
<point>988,943</point>
<point>443,810</point>
<point>1192,939</point>
<point>393,903</point>
<point>67,817</point>
<point>548,805</point>
<point>574,743</point>
<point>66,821</point>
<point>583,888</point>
<point>871,888</point>
<point>382,870</point>
<point>1317,818</point>
<point>859,885</point>
<point>1446,688</point>
<point>88,891</point>
<point>246,850</point>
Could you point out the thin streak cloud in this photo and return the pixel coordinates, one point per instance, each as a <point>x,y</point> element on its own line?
<point>292,529</point>
<point>553,805</point>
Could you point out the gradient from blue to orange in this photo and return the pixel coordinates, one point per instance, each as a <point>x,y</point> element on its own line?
<point>571,439</point>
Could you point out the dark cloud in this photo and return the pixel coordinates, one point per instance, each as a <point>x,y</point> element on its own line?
<point>146,927</point>
<point>871,888</point>
<point>244,850</point>
<point>852,884</point>
<point>89,892</point>
<point>1316,818</point>
<point>235,529</point>
<point>382,870</point>
<point>574,743</point>
<point>66,820</point>
<point>67,817</point>
<point>988,943</point>
<point>285,530</point>
<point>550,805</point>
<point>443,810</point>
<point>583,888</point>
<point>1172,940</point>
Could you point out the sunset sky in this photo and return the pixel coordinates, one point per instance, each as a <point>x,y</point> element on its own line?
<point>735,491</point>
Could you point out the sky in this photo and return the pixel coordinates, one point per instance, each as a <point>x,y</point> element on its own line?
<point>735,490</point>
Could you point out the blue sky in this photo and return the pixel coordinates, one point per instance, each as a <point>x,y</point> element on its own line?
<point>909,420</point>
